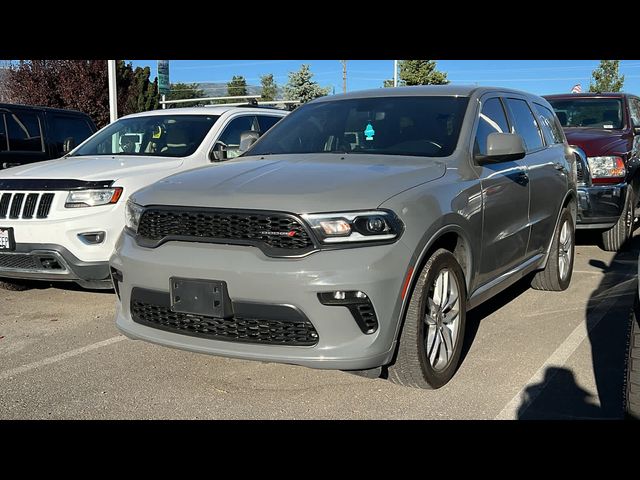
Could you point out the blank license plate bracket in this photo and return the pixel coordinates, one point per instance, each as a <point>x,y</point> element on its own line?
<point>200,297</point>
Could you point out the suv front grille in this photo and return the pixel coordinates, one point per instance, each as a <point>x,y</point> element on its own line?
<point>23,205</point>
<point>276,233</point>
<point>152,309</point>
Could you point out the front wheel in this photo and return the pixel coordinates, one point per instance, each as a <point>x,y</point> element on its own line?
<point>432,336</point>
<point>632,364</point>
<point>617,236</point>
<point>556,276</point>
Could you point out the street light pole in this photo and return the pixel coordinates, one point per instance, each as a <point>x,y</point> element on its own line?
<point>395,73</point>
<point>113,92</point>
<point>344,76</point>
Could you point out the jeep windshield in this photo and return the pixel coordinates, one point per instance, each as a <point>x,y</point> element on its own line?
<point>589,112</point>
<point>153,135</point>
<point>426,126</point>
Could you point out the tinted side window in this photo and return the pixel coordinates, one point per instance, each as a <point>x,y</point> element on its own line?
<point>549,124</point>
<point>25,133</point>
<point>525,124</point>
<point>65,127</point>
<point>492,120</point>
<point>267,122</point>
<point>231,134</point>
<point>3,136</point>
<point>634,109</point>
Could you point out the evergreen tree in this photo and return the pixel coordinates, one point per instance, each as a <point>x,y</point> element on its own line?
<point>607,78</point>
<point>269,88</point>
<point>237,86</point>
<point>301,86</point>
<point>421,72</point>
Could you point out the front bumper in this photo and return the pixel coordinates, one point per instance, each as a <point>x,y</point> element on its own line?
<point>600,206</point>
<point>255,278</point>
<point>53,263</point>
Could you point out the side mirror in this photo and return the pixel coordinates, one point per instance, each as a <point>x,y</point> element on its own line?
<point>502,147</point>
<point>636,130</point>
<point>219,152</point>
<point>247,139</point>
<point>68,145</point>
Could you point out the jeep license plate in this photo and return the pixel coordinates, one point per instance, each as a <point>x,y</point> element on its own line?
<point>200,297</point>
<point>6,239</point>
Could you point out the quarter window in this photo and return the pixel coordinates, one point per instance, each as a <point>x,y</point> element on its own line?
<point>524,124</point>
<point>267,122</point>
<point>492,120</point>
<point>549,124</point>
<point>65,127</point>
<point>25,133</point>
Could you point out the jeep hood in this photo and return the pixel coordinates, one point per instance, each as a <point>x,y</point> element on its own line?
<point>93,168</point>
<point>597,141</point>
<point>300,183</point>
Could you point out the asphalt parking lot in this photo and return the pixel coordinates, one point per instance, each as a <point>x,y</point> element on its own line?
<point>528,354</point>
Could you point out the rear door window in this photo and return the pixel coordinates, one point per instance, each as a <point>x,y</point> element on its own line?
<point>525,124</point>
<point>267,122</point>
<point>25,132</point>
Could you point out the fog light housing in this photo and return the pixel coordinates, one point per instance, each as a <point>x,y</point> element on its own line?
<point>92,238</point>
<point>358,304</point>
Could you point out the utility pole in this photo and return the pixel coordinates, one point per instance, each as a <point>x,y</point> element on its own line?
<point>344,76</point>
<point>395,73</point>
<point>113,91</point>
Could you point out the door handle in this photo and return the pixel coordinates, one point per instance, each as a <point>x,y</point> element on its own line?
<point>522,179</point>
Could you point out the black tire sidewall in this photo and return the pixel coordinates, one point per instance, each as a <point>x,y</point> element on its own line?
<point>444,259</point>
<point>564,217</point>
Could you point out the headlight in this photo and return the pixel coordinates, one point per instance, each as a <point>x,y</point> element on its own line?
<point>606,169</point>
<point>345,227</point>
<point>93,198</point>
<point>133,212</point>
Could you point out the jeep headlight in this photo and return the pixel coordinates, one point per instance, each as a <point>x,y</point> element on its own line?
<point>348,227</point>
<point>132,213</point>
<point>93,198</point>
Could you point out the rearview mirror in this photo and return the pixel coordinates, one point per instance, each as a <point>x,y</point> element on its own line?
<point>502,147</point>
<point>247,139</point>
<point>68,145</point>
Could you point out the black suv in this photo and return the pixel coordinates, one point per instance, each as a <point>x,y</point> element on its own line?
<point>32,134</point>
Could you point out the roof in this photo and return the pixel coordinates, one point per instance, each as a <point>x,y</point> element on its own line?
<point>423,90</point>
<point>38,107</point>
<point>586,95</point>
<point>209,110</point>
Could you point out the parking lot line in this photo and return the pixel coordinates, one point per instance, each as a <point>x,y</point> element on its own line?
<point>58,358</point>
<point>519,403</point>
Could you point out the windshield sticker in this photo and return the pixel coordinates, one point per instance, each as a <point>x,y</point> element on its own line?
<point>369,132</point>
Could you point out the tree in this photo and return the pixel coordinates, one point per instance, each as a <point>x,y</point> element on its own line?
<point>183,91</point>
<point>606,78</point>
<point>81,85</point>
<point>237,86</point>
<point>388,83</point>
<point>301,87</point>
<point>269,88</point>
<point>421,72</point>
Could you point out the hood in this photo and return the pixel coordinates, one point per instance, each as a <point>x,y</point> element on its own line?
<point>598,141</point>
<point>301,183</point>
<point>92,168</point>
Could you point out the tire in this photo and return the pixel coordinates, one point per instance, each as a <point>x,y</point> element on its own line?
<point>632,367</point>
<point>421,330</point>
<point>616,237</point>
<point>13,285</point>
<point>556,276</point>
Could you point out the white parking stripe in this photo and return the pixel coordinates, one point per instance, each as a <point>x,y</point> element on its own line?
<point>558,358</point>
<point>58,358</point>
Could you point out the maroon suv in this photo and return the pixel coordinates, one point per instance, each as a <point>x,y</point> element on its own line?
<point>604,128</point>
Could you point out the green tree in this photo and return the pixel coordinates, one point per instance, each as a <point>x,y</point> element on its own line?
<point>388,83</point>
<point>301,86</point>
<point>136,92</point>
<point>421,72</point>
<point>237,86</point>
<point>607,78</point>
<point>183,91</point>
<point>269,88</point>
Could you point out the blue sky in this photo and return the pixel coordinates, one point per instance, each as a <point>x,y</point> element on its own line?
<point>536,76</point>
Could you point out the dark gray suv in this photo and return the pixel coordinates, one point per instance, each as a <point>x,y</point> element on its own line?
<point>356,234</point>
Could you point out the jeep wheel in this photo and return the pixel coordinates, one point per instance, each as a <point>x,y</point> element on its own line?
<point>616,237</point>
<point>431,340</point>
<point>632,376</point>
<point>556,276</point>
<point>13,285</point>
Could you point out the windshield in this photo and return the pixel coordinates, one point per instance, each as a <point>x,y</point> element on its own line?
<point>418,126</point>
<point>157,135</point>
<point>589,112</point>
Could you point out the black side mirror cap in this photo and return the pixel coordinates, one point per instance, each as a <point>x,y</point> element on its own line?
<point>68,145</point>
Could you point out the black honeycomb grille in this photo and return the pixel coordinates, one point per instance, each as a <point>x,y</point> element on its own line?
<point>248,330</point>
<point>18,261</point>
<point>277,232</point>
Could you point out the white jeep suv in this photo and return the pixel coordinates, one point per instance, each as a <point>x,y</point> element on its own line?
<point>60,219</point>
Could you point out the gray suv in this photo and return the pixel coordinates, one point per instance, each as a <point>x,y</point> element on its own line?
<point>355,234</point>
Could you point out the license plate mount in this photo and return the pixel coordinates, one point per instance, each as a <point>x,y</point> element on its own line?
<point>200,297</point>
<point>7,240</point>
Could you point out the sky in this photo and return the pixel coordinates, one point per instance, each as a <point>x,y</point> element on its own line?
<point>540,77</point>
